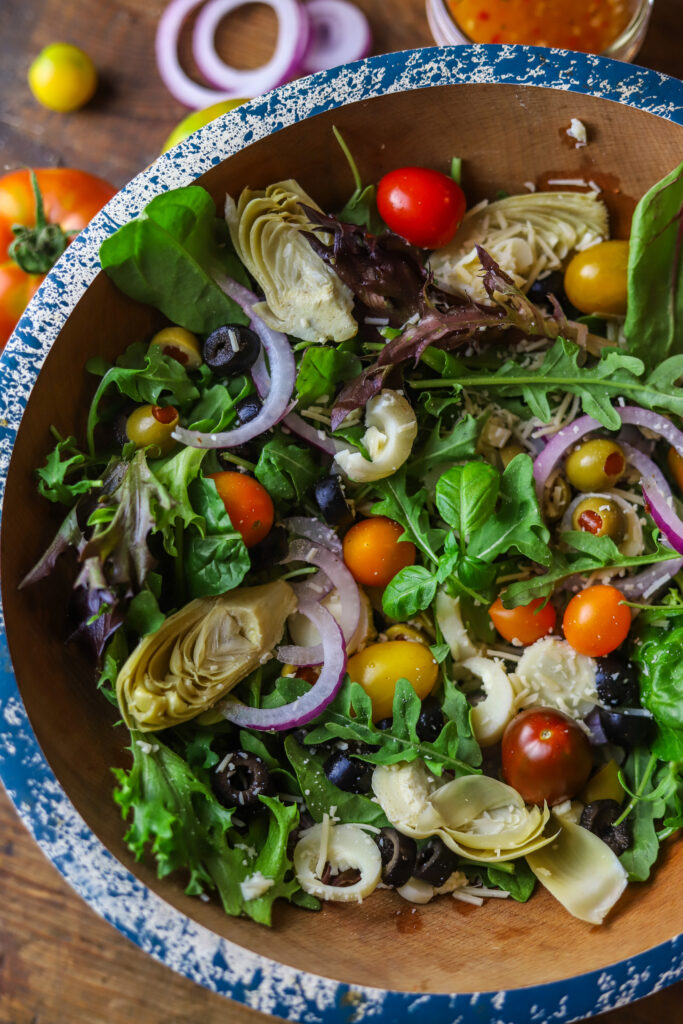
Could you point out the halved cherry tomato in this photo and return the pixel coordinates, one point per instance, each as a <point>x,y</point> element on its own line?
<point>373,552</point>
<point>546,756</point>
<point>423,206</point>
<point>248,504</point>
<point>524,624</point>
<point>596,620</point>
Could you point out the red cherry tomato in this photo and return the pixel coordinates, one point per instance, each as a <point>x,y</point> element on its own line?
<point>524,624</point>
<point>596,620</point>
<point>373,552</point>
<point>423,206</point>
<point>546,756</point>
<point>247,503</point>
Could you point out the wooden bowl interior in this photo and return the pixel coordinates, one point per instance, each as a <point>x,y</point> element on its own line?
<point>506,135</point>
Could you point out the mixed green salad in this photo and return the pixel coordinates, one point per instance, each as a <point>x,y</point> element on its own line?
<point>379,542</point>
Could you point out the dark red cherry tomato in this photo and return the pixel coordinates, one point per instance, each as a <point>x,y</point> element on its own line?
<point>546,756</point>
<point>423,206</point>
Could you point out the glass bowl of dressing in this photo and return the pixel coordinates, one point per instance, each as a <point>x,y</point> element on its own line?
<point>613,28</point>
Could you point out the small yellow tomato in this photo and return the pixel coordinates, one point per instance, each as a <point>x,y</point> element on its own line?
<point>196,120</point>
<point>595,280</point>
<point>379,667</point>
<point>62,77</point>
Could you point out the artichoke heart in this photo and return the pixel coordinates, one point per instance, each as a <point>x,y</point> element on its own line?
<point>527,236</point>
<point>303,295</point>
<point>486,820</point>
<point>200,653</point>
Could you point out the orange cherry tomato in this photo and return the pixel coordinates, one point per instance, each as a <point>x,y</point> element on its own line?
<point>373,552</point>
<point>524,624</point>
<point>423,206</point>
<point>596,621</point>
<point>248,504</point>
<point>675,464</point>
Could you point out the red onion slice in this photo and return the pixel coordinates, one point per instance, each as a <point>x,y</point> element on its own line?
<point>646,467</point>
<point>178,83</point>
<point>653,421</point>
<point>349,599</point>
<point>324,690</point>
<point>276,403</point>
<point>340,34</point>
<point>662,511</point>
<point>294,33</point>
<point>315,436</point>
<point>313,529</point>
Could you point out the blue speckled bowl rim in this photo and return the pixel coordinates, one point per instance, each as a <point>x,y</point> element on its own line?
<point>110,889</point>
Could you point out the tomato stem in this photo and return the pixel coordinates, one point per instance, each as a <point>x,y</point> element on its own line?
<point>36,250</point>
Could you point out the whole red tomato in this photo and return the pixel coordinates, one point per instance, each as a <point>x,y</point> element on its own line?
<point>423,206</point>
<point>70,199</point>
<point>546,756</point>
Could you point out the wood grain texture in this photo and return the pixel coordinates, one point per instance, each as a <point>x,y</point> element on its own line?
<point>59,963</point>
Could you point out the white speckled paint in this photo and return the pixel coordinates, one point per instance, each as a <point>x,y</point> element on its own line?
<point>101,880</point>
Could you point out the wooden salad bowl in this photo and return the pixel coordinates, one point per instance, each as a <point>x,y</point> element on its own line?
<point>506,116</point>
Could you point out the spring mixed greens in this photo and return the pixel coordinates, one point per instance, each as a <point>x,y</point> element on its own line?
<point>401,612</point>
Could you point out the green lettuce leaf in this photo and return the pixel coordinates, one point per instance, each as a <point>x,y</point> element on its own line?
<point>215,556</point>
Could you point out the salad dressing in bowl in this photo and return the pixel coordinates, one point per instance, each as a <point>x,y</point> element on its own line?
<point>501,947</point>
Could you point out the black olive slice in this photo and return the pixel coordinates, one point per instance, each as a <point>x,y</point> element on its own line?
<point>398,853</point>
<point>231,349</point>
<point>348,773</point>
<point>616,681</point>
<point>240,779</point>
<point>329,495</point>
<point>431,720</point>
<point>599,817</point>
<point>435,862</point>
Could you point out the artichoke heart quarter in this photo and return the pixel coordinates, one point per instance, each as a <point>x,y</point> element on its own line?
<point>303,295</point>
<point>200,653</point>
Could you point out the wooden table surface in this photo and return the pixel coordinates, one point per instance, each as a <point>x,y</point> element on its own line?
<point>59,963</point>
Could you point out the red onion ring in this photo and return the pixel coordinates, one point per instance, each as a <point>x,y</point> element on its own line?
<point>340,34</point>
<point>349,598</point>
<point>314,436</point>
<point>323,691</point>
<point>178,83</point>
<point>276,403</point>
<point>653,421</point>
<point>646,467</point>
<point>314,530</point>
<point>665,517</point>
<point>294,33</point>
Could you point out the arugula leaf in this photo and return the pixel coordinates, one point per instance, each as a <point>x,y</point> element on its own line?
<point>215,557</point>
<point>320,794</point>
<point>411,590</point>
<point>170,256</point>
<point>654,318</point>
<point>408,510</point>
<point>143,374</point>
<point>517,525</point>
<point>643,811</point>
<point>61,478</point>
<point>615,374</point>
<point>287,471</point>
<point>466,496</point>
<point>321,370</point>
<point>349,717</point>
<point>451,445</point>
<point>361,207</point>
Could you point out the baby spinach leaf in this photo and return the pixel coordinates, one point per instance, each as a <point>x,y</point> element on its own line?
<point>216,559</point>
<point>520,883</point>
<point>144,615</point>
<point>287,471</point>
<point>407,509</point>
<point>466,496</point>
<point>170,257</point>
<point>448,444</point>
<point>659,654</point>
<point>215,410</point>
<point>320,794</point>
<point>517,524</point>
<point>321,370</point>
<point>410,591</point>
<point>654,320</point>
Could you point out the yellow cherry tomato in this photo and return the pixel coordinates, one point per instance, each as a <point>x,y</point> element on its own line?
<point>62,77</point>
<point>196,120</point>
<point>595,280</point>
<point>379,667</point>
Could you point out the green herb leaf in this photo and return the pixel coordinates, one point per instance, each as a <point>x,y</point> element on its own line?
<point>170,257</point>
<point>659,655</point>
<point>320,794</point>
<point>639,776</point>
<point>144,615</point>
<point>654,320</point>
<point>466,496</point>
<point>321,370</point>
<point>407,509</point>
<point>447,445</point>
<point>517,524</point>
<point>287,471</point>
<point>409,592</point>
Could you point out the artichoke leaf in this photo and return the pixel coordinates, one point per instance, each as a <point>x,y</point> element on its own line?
<point>485,814</point>
<point>580,871</point>
<point>303,295</point>
<point>497,856</point>
<point>200,653</point>
<point>403,792</point>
